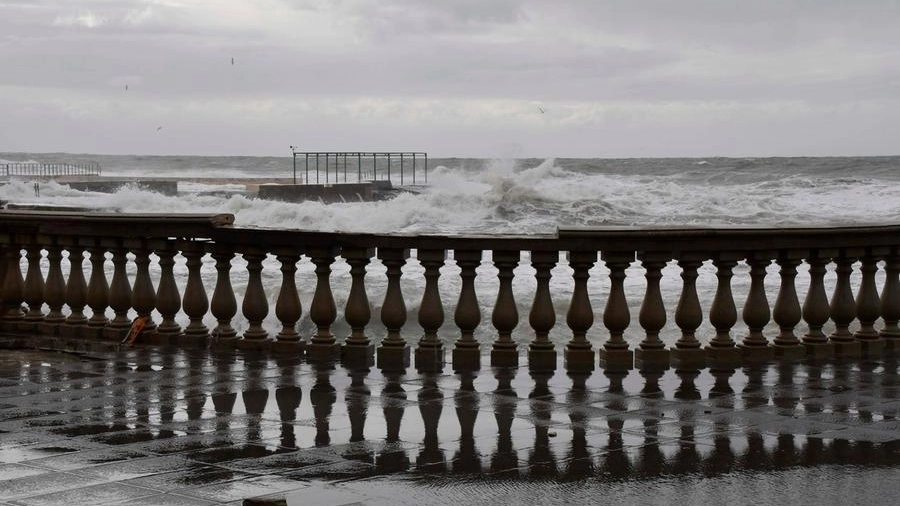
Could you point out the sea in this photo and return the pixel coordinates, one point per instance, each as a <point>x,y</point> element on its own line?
<point>512,196</point>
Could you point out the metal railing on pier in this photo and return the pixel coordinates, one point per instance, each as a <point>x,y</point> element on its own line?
<point>38,169</point>
<point>327,167</point>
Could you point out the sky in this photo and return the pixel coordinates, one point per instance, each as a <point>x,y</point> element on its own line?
<point>497,78</point>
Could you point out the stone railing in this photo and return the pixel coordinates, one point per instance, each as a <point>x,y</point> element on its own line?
<point>38,298</point>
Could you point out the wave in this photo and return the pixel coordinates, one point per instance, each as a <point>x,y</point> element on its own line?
<point>526,197</point>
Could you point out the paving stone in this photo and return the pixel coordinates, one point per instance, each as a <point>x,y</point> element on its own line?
<point>105,493</point>
<point>199,428</point>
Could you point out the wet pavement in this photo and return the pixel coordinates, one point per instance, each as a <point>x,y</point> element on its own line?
<point>142,427</point>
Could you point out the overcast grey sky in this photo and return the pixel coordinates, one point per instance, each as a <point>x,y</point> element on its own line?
<point>452,77</point>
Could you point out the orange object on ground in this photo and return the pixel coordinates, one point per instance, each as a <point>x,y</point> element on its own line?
<point>137,326</point>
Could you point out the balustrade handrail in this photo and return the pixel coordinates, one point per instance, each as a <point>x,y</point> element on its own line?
<point>221,227</point>
<point>194,236</point>
<point>113,225</point>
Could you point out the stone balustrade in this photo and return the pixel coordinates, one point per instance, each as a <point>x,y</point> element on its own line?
<point>141,252</point>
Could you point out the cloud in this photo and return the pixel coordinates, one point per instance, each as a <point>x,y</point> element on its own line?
<point>463,68</point>
<point>84,20</point>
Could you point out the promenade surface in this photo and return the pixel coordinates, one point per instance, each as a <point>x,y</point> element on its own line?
<point>141,427</point>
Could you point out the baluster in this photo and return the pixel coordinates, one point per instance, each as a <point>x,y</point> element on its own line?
<point>430,351</point>
<point>33,289</point>
<point>542,318</point>
<point>143,296</point>
<point>393,354</point>
<point>578,355</point>
<point>721,352</point>
<point>119,296</point>
<point>615,354</point>
<point>288,308</point>
<point>195,301</point>
<point>323,311</point>
<point>868,305</point>
<point>815,307</point>
<point>98,293</point>
<point>255,307</point>
<point>76,294</point>
<point>652,353</point>
<point>54,292</point>
<point>4,247</point>
<point>787,313</point>
<point>168,300</point>
<point>688,354</point>
<point>466,352</point>
<point>890,303</point>
<point>224,304</point>
<point>12,286</point>
<point>756,312</point>
<point>505,316</point>
<point>358,352</point>
<point>843,308</point>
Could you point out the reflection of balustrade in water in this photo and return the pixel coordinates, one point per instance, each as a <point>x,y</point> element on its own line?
<point>39,297</point>
<point>272,414</point>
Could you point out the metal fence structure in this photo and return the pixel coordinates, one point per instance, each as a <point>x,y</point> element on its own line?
<point>409,167</point>
<point>50,169</point>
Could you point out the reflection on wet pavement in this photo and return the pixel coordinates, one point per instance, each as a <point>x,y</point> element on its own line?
<point>142,427</point>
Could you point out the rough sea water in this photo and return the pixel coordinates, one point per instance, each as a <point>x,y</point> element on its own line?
<point>769,457</point>
<point>525,196</point>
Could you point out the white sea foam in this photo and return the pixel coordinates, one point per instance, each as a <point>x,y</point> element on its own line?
<point>501,197</point>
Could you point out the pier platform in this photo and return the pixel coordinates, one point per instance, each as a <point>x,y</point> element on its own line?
<point>281,189</point>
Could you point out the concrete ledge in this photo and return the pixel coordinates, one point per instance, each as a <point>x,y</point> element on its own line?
<point>316,352</point>
<point>393,358</point>
<point>542,360</point>
<point>112,185</point>
<point>753,354</point>
<point>252,344</point>
<point>68,330</point>
<point>295,348</point>
<point>466,359</point>
<point>355,356</point>
<point>616,359</point>
<point>504,357</point>
<point>872,348</point>
<point>688,358</point>
<point>817,351</point>
<point>723,357</point>
<point>48,329</point>
<point>430,359</point>
<point>847,349</point>
<point>790,352</point>
<point>652,357</point>
<point>579,360</point>
<point>328,193</point>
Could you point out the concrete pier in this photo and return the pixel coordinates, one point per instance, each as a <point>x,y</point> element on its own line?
<point>328,193</point>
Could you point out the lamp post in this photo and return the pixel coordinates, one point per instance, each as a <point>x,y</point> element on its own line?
<point>294,156</point>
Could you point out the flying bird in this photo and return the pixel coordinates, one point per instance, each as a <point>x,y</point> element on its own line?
<point>158,128</point>
<point>126,87</point>
<point>541,109</point>
<point>232,60</point>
